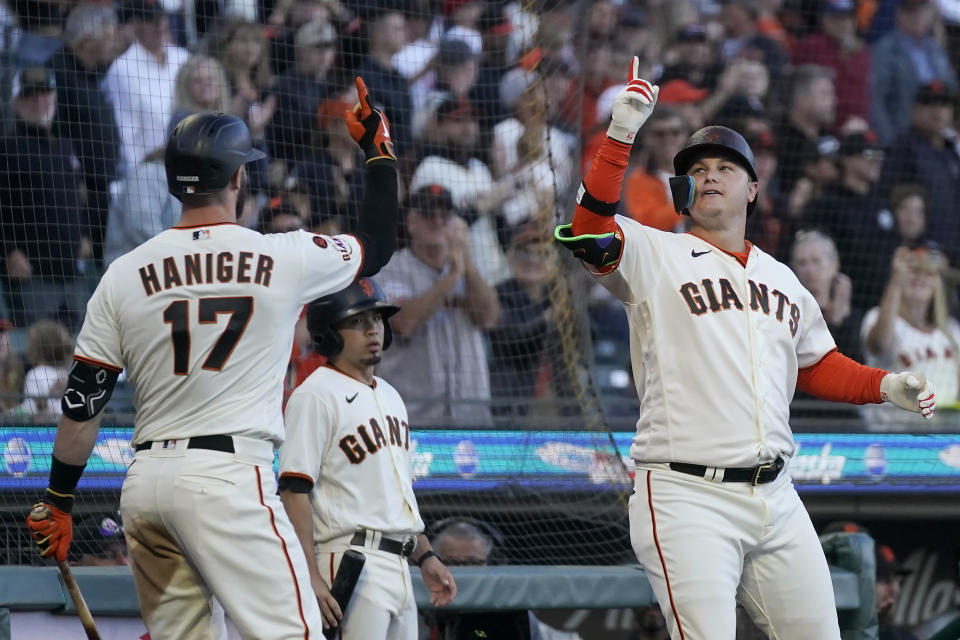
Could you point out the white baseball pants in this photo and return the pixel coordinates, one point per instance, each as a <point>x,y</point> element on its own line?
<point>201,523</point>
<point>704,545</point>
<point>382,606</point>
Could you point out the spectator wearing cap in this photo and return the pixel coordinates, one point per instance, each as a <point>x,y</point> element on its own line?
<point>280,216</point>
<point>454,164</point>
<point>84,115</point>
<point>300,90</point>
<point>496,30</point>
<point>525,362</point>
<point>852,211</point>
<point>811,111</point>
<point>143,208</point>
<point>837,46</point>
<point>905,60</point>
<point>140,82</point>
<point>912,327</point>
<point>43,227</point>
<point>691,56</point>
<point>455,75</point>
<point>818,162</point>
<point>386,36</point>
<point>438,361</point>
<point>927,154</point>
<point>463,17</point>
<point>890,574</point>
<point>646,190</point>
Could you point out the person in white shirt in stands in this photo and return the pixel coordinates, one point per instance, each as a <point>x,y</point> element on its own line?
<point>140,83</point>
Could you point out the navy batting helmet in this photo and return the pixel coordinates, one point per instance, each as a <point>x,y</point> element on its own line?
<point>324,313</point>
<point>204,151</point>
<point>715,139</point>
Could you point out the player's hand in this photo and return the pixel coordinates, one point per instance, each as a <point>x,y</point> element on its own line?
<point>439,580</point>
<point>51,529</point>
<point>328,604</point>
<point>369,127</point>
<point>632,106</point>
<point>909,390</point>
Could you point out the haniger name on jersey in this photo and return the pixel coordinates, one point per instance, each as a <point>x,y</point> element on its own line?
<point>207,268</point>
<point>374,440</point>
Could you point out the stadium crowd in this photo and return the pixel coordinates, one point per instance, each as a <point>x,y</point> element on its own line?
<point>495,108</point>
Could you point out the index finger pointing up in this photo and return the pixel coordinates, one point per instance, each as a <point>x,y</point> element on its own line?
<point>634,68</point>
<point>362,94</point>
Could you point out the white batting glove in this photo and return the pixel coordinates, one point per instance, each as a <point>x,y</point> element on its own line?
<point>632,106</point>
<point>909,390</point>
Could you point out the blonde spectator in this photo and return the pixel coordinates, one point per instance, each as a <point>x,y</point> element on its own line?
<point>912,329</point>
<point>202,85</point>
<point>243,51</point>
<point>49,348</point>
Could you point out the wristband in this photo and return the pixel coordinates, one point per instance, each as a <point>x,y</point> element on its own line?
<point>591,204</point>
<point>428,554</point>
<point>64,477</point>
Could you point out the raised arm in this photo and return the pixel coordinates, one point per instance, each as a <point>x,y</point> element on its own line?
<point>592,235</point>
<point>377,228</point>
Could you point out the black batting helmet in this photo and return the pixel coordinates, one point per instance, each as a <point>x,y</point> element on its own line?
<point>324,313</point>
<point>721,140</point>
<point>204,151</point>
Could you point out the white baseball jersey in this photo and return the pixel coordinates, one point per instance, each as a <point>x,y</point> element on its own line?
<point>203,317</point>
<point>933,352</point>
<point>715,346</point>
<point>353,442</point>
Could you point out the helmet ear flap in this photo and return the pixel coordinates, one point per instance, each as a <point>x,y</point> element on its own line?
<point>327,342</point>
<point>387,334</point>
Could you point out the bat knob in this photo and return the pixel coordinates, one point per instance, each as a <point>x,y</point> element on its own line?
<point>40,512</point>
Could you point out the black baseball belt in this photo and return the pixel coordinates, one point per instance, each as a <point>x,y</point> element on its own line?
<point>402,548</point>
<point>214,443</point>
<point>760,474</point>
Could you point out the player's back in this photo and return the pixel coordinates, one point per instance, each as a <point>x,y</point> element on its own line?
<point>204,317</point>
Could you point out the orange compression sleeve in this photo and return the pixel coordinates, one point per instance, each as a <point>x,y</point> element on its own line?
<point>603,181</point>
<point>840,379</point>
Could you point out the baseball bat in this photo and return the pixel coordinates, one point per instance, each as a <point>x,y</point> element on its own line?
<point>344,582</point>
<point>42,512</point>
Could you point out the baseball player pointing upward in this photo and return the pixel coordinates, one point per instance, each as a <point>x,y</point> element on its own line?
<point>721,335</point>
<point>346,474</point>
<point>202,317</point>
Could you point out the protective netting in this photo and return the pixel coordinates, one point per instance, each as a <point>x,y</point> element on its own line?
<point>496,108</point>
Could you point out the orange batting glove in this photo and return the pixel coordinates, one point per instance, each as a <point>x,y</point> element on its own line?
<point>369,127</point>
<point>51,528</point>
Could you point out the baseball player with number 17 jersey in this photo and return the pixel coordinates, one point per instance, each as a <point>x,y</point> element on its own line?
<point>202,318</point>
<point>721,334</point>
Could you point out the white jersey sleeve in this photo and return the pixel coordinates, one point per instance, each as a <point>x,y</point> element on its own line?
<point>328,263</point>
<point>99,340</point>
<point>640,262</point>
<point>309,426</point>
<point>814,336</point>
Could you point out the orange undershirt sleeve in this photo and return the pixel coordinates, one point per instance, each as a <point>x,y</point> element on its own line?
<point>840,379</point>
<point>603,181</point>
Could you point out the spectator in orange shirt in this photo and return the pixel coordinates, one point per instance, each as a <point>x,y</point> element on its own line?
<point>646,192</point>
